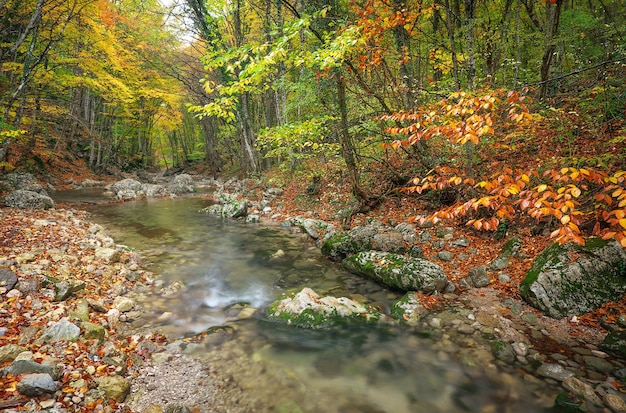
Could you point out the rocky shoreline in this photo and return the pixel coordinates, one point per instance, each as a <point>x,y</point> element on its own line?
<point>65,345</point>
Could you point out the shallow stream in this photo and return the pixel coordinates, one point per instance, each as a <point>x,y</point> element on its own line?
<point>375,369</point>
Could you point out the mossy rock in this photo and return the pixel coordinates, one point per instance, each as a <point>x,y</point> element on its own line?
<point>398,271</point>
<point>307,309</point>
<point>615,343</point>
<point>342,245</point>
<point>567,280</point>
<point>408,309</point>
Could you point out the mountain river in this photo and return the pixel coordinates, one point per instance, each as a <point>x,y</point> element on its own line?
<point>227,266</point>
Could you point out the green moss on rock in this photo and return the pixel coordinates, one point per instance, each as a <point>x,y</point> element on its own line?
<point>307,309</point>
<point>398,271</point>
<point>567,280</point>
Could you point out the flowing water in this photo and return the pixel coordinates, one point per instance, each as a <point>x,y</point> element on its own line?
<point>345,369</point>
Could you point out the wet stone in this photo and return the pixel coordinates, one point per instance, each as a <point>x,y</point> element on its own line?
<point>520,348</point>
<point>465,329</point>
<point>445,255</point>
<point>503,352</point>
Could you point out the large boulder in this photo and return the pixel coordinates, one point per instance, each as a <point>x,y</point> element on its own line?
<point>21,180</point>
<point>28,200</point>
<point>181,184</point>
<point>398,271</point>
<point>567,280</point>
<point>308,309</point>
<point>363,238</point>
<point>127,189</point>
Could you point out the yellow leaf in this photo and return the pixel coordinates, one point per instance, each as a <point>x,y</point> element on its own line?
<point>576,192</point>
<point>617,193</point>
<point>573,227</point>
<point>565,219</point>
<point>564,171</point>
<point>622,222</point>
<point>542,188</point>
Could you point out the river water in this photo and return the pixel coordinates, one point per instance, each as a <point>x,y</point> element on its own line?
<point>227,265</point>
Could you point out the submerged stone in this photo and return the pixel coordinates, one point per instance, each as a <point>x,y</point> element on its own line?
<point>569,279</point>
<point>394,270</point>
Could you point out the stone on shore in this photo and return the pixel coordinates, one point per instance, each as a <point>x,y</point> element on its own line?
<point>114,387</point>
<point>394,270</point>
<point>567,280</point>
<point>37,384</point>
<point>63,330</point>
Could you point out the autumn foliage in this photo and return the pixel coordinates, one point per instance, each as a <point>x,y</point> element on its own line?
<point>573,202</point>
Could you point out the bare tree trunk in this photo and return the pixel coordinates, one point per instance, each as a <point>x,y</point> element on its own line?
<point>470,9</point>
<point>553,17</point>
<point>452,40</point>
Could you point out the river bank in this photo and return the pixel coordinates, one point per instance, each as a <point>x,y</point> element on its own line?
<point>108,363</point>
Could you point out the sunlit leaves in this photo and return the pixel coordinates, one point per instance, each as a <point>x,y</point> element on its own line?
<point>568,198</point>
<point>461,118</point>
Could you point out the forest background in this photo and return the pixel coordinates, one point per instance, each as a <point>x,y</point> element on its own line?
<point>490,114</point>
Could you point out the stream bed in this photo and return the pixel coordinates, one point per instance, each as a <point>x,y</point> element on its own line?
<point>229,268</point>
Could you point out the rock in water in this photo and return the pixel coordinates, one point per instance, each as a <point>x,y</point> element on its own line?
<point>567,280</point>
<point>310,310</point>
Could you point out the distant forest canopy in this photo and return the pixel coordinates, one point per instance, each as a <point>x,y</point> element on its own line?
<point>244,85</point>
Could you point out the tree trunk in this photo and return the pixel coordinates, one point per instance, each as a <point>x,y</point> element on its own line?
<point>452,40</point>
<point>470,8</point>
<point>553,17</point>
